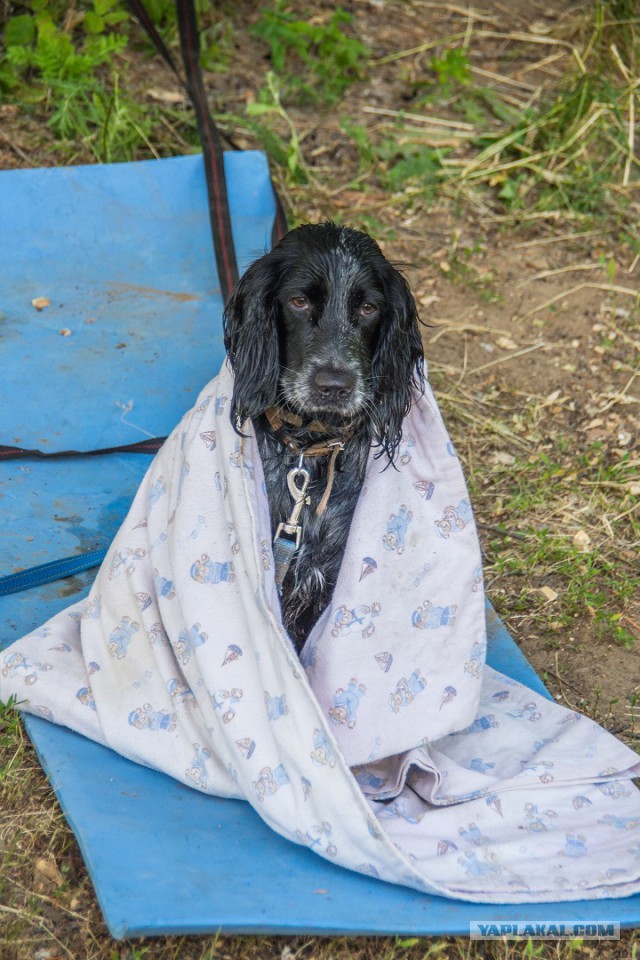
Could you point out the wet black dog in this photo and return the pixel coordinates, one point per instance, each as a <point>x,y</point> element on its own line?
<point>323,338</point>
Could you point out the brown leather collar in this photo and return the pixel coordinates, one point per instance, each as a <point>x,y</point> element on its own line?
<point>278,417</point>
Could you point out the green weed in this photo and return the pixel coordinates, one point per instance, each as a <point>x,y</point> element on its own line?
<point>566,145</point>
<point>461,270</point>
<point>361,137</point>
<point>70,63</point>
<point>42,50</point>
<point>594,582</point>
<point>404,161</point>
<point>67,62</point>
<point>287,149</point>
<point>315,61</point>
<point>452,67</point>
<point>445,78</point>
<point>104,119</point>
<point>399,160</point>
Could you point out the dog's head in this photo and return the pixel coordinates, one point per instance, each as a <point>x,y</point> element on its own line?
<point>327,326</point>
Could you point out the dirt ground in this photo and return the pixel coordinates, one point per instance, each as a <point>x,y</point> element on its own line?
<point>533,343</point>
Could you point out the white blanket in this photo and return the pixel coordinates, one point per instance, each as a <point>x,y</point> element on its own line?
<point>389,746</point>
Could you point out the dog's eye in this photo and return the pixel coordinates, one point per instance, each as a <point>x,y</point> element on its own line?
<point>368,309</point>
<point>300,303</point>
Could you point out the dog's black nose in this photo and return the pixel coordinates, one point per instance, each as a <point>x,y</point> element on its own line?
<point>335,384</point>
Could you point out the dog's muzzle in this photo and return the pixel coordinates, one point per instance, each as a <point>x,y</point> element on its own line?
<point>334,385</point>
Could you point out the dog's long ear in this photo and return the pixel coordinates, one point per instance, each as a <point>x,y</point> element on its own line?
<point>398,361</point>
<point>250,325</point>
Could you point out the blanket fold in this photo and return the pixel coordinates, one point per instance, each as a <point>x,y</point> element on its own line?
<point>389,746</point>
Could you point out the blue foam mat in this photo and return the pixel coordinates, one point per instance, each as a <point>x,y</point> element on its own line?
<point>123,253</point>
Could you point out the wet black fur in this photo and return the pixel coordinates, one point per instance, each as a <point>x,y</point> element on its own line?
<point>326,327</point>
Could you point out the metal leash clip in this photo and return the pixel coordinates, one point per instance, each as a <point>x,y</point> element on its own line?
<point>297,480</point>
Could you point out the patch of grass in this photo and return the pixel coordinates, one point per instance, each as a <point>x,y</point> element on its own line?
<point>572,144</point>
<point>400,159</point>
<point>11,740</point>
<point>315,58</point>
<point>448,74</point>
<point>461,270</point>
<point>586,584</point>
<point>452,68</point>
<point>70,63</point>
<point>67,62</point>
<point>528,147</point>
<point>553,552</point>
<point>376,228</point>
<point>405,160</point>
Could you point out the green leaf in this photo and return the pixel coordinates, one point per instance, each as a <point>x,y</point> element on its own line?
<point>21,31</point>
<point>509,190</point>
<point>259,109</point>
<point>93,22</point>
<point>454,65</point>
<point>102,7</point>
<point>19,56</point>
<point>118,16</point>
<point>8,82</point>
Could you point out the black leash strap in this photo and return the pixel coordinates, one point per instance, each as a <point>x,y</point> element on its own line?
<point>139,11</point>
<point>212,151</point>
<point>152,445</point>
<point>209,137</point>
